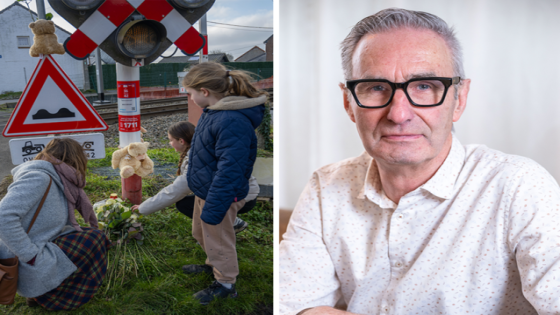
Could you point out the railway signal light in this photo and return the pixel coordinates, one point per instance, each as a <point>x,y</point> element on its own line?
<point>132,31</point>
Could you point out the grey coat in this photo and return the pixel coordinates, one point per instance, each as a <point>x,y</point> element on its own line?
<point>17,209</point>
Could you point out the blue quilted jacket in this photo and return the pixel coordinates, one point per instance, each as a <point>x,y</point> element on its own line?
<point>223,151</point>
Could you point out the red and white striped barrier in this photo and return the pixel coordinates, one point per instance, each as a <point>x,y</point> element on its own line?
<point>112,13</point>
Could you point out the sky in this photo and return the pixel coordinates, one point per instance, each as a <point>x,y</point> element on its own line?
<point>229,39</point>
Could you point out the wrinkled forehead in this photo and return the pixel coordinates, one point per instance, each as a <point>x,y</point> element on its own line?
<point>401,54</point>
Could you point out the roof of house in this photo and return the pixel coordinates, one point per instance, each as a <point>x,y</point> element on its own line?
<point>250,50</point>
<point>32,12</point>
<point>268,39</point>
<point>259,58</point>
<point>221,57</point>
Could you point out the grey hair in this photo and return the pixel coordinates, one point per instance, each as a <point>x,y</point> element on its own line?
<point>395,18</point>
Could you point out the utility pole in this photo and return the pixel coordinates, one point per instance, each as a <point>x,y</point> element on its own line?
<point>41,9</point>
<point>99,74</point>
<point>204,32</point>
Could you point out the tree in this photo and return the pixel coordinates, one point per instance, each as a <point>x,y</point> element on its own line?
<point>229,56</point>
<point>48,16</point>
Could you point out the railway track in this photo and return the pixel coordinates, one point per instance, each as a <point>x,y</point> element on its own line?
<point>113,106</point>
<point>150,108</point>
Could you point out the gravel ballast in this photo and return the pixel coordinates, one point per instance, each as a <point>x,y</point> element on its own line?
<point>156,128</point>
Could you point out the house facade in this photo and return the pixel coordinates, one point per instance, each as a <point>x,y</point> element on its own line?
<point>16,65</point>
<point>269,48</point>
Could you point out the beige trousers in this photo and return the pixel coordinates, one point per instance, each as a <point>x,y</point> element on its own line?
<point>218,241</point>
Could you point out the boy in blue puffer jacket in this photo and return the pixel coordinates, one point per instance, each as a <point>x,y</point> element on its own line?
<point>223,151</point>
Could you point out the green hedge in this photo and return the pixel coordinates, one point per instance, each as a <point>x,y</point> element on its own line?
<point>165,74</point>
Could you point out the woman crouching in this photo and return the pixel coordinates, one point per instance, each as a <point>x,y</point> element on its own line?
<point>61,265</point>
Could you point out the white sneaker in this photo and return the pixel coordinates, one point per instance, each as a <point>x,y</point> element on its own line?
<point>239,225</point>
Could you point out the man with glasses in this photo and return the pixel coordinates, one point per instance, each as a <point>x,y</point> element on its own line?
<point>419,223</point>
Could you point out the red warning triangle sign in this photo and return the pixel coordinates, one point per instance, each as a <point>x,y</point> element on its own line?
<point>51,103</point>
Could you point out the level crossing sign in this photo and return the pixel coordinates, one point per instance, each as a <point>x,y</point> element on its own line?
<point>112,13</point>
<point>51,103</point>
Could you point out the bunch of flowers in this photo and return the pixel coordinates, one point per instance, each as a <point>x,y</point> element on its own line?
<point>118,221</point>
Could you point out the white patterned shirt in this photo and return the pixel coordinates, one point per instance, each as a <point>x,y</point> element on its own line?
<point>480,237</point>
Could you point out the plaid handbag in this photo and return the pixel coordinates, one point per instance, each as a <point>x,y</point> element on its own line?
<point>9,266</point>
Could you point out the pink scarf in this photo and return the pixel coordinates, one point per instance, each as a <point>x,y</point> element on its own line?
<point>74,183</point>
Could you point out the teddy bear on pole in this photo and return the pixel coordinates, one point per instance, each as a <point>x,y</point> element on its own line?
<point>45,41</point>
<point>133,159</point>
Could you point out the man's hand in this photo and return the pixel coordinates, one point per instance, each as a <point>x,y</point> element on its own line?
<point>134,208</point>
<point>326,310</point>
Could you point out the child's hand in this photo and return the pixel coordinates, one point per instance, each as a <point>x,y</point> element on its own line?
<point>134,208</point>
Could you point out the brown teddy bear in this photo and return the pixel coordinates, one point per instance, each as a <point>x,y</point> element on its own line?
<point>45,41</point>
<point>133,159</point>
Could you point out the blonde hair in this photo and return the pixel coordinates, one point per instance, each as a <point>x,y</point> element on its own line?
<point>68,151</point>
<point>216,79</point>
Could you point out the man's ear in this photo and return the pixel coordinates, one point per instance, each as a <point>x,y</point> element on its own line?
<point>346,99</point>
<point>462,99</point>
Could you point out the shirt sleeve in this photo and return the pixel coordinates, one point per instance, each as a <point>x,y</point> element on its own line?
<point>169,195</point>
<point>533,228</point>
<point>307,274</point>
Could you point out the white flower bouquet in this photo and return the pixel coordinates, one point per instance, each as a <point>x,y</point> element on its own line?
<point>118,220</point>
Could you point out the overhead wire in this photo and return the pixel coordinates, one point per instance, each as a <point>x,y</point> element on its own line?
<point>240,29</point>
<point>264,27</point>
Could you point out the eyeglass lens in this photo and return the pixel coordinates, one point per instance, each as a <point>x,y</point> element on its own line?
<point>423,92</point>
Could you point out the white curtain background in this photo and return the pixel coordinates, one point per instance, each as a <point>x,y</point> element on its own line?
<point>511,52</point>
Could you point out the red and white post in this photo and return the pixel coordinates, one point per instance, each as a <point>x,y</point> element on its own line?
<point>204,32</point>
<point>128,93</point>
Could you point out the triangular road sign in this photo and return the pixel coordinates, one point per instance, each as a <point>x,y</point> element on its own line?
<point>51,103</point>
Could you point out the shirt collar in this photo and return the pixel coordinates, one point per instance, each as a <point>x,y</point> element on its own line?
<point>372,188</point>
<point>441,184</point>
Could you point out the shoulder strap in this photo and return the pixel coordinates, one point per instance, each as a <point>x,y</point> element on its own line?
<point>40,205</point>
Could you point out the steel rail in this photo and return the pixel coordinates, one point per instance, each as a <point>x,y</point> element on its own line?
<point>113,116</point>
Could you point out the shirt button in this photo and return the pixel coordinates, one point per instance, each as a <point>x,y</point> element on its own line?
<point>401,215</point>
<point>398,264</point>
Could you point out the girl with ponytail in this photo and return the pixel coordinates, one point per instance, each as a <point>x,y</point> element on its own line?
<point>180,135</point>
<point>223,151</point>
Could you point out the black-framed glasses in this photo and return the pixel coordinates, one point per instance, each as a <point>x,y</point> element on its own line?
<point>378,93</point>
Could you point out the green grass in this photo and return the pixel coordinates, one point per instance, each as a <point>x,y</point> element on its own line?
<point>165,155</point>
<point>10,95</point>
<point>147,279</point>
<point>264,153</point>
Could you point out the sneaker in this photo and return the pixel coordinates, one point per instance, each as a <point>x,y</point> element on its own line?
<point>239,225</point>
<point>215,290</point>
<point>193,269</point>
